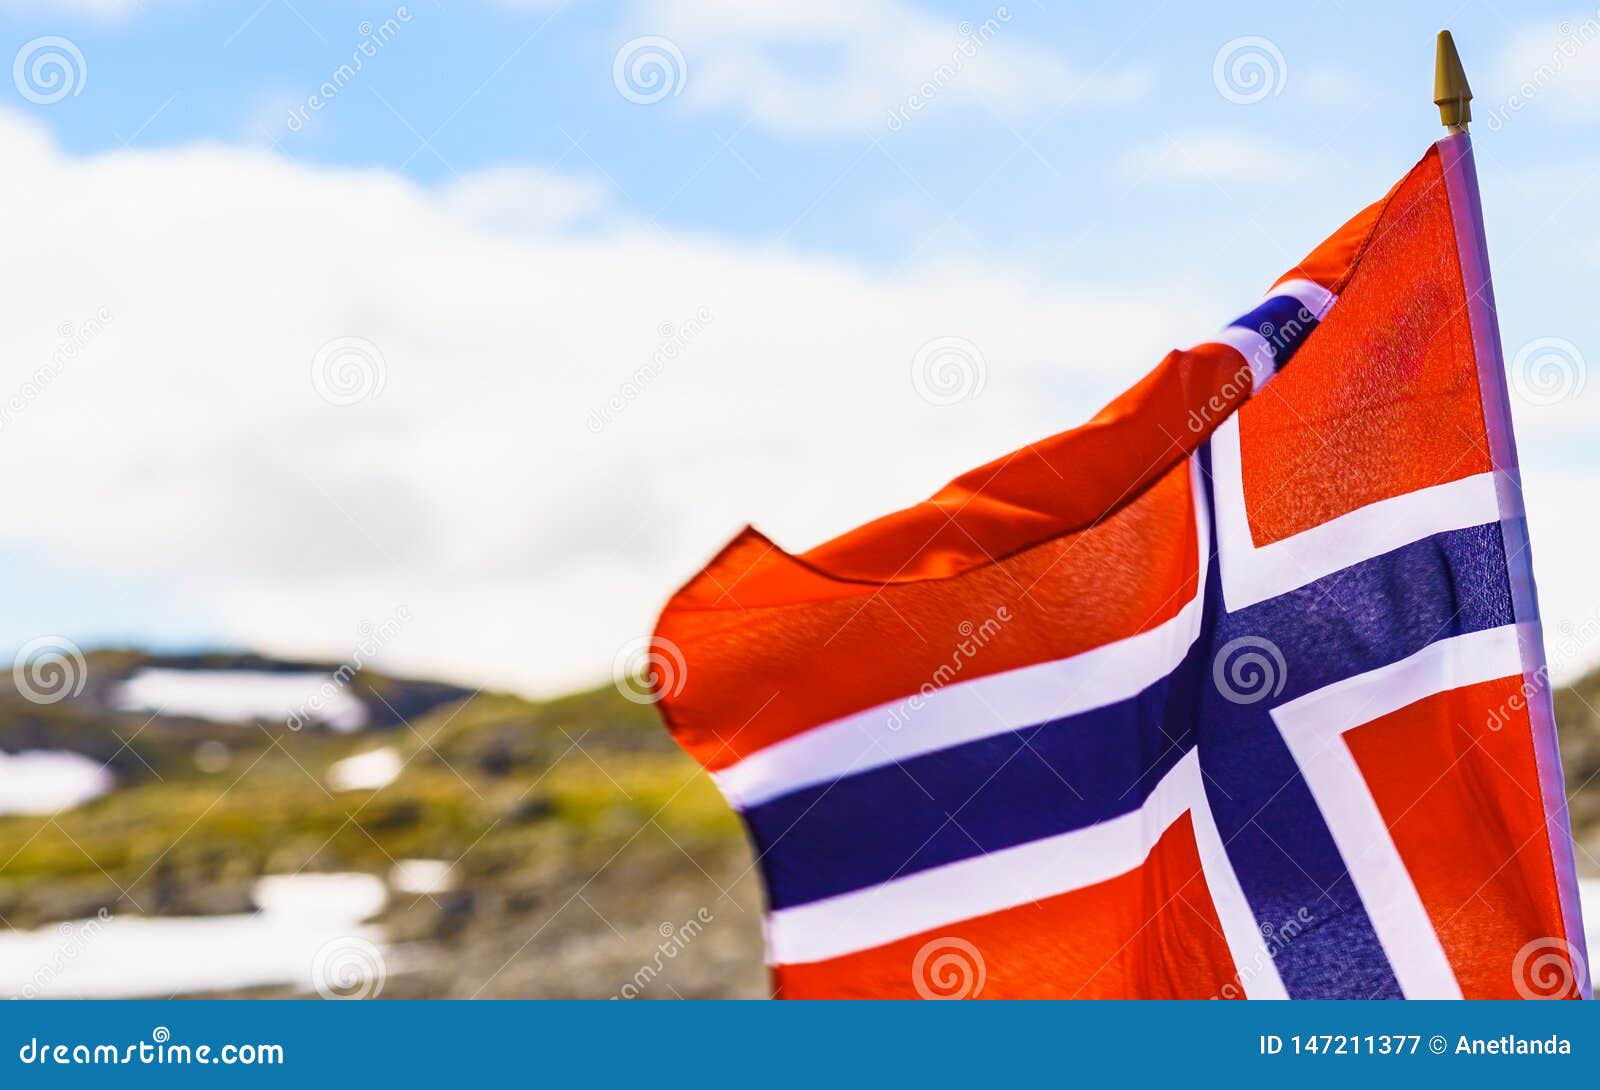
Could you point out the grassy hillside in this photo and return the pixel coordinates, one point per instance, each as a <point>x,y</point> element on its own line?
<point>574,821</point>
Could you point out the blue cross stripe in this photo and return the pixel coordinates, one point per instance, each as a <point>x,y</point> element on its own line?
<point>1283,321</point>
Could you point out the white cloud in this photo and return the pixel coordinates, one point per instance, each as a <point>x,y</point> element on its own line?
<point>1562,535</point>
<point>1552,67</point>
<point>845,65</point>
<point>1217,156</point>
<point>186,443</point>
<point>523,200</point>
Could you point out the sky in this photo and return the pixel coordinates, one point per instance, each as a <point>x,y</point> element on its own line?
<point>483,324</point>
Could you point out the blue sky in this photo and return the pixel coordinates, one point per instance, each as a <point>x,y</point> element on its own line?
<point>464,86</point>
<point>487,204</point>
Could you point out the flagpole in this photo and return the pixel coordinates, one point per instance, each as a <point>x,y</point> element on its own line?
<point>1453,96</point>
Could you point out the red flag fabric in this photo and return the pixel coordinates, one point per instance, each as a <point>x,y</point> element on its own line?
<point>1237,690</point>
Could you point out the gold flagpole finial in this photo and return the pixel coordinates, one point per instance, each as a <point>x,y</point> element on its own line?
<point>1450,91</point>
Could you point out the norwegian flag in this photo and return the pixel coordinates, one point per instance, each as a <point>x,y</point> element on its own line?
<point>1234,691</point>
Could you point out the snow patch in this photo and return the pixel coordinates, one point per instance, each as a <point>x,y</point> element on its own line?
<point>422,876</point>
<point>306,922</point>
<point>365,771</point>
<point>242,696</point>
<point>46,781</point>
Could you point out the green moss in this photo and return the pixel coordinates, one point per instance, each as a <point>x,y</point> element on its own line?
<point>501,786</point>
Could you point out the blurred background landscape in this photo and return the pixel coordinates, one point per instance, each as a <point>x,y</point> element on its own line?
<point>371,373</point>
<point>417,840</point>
